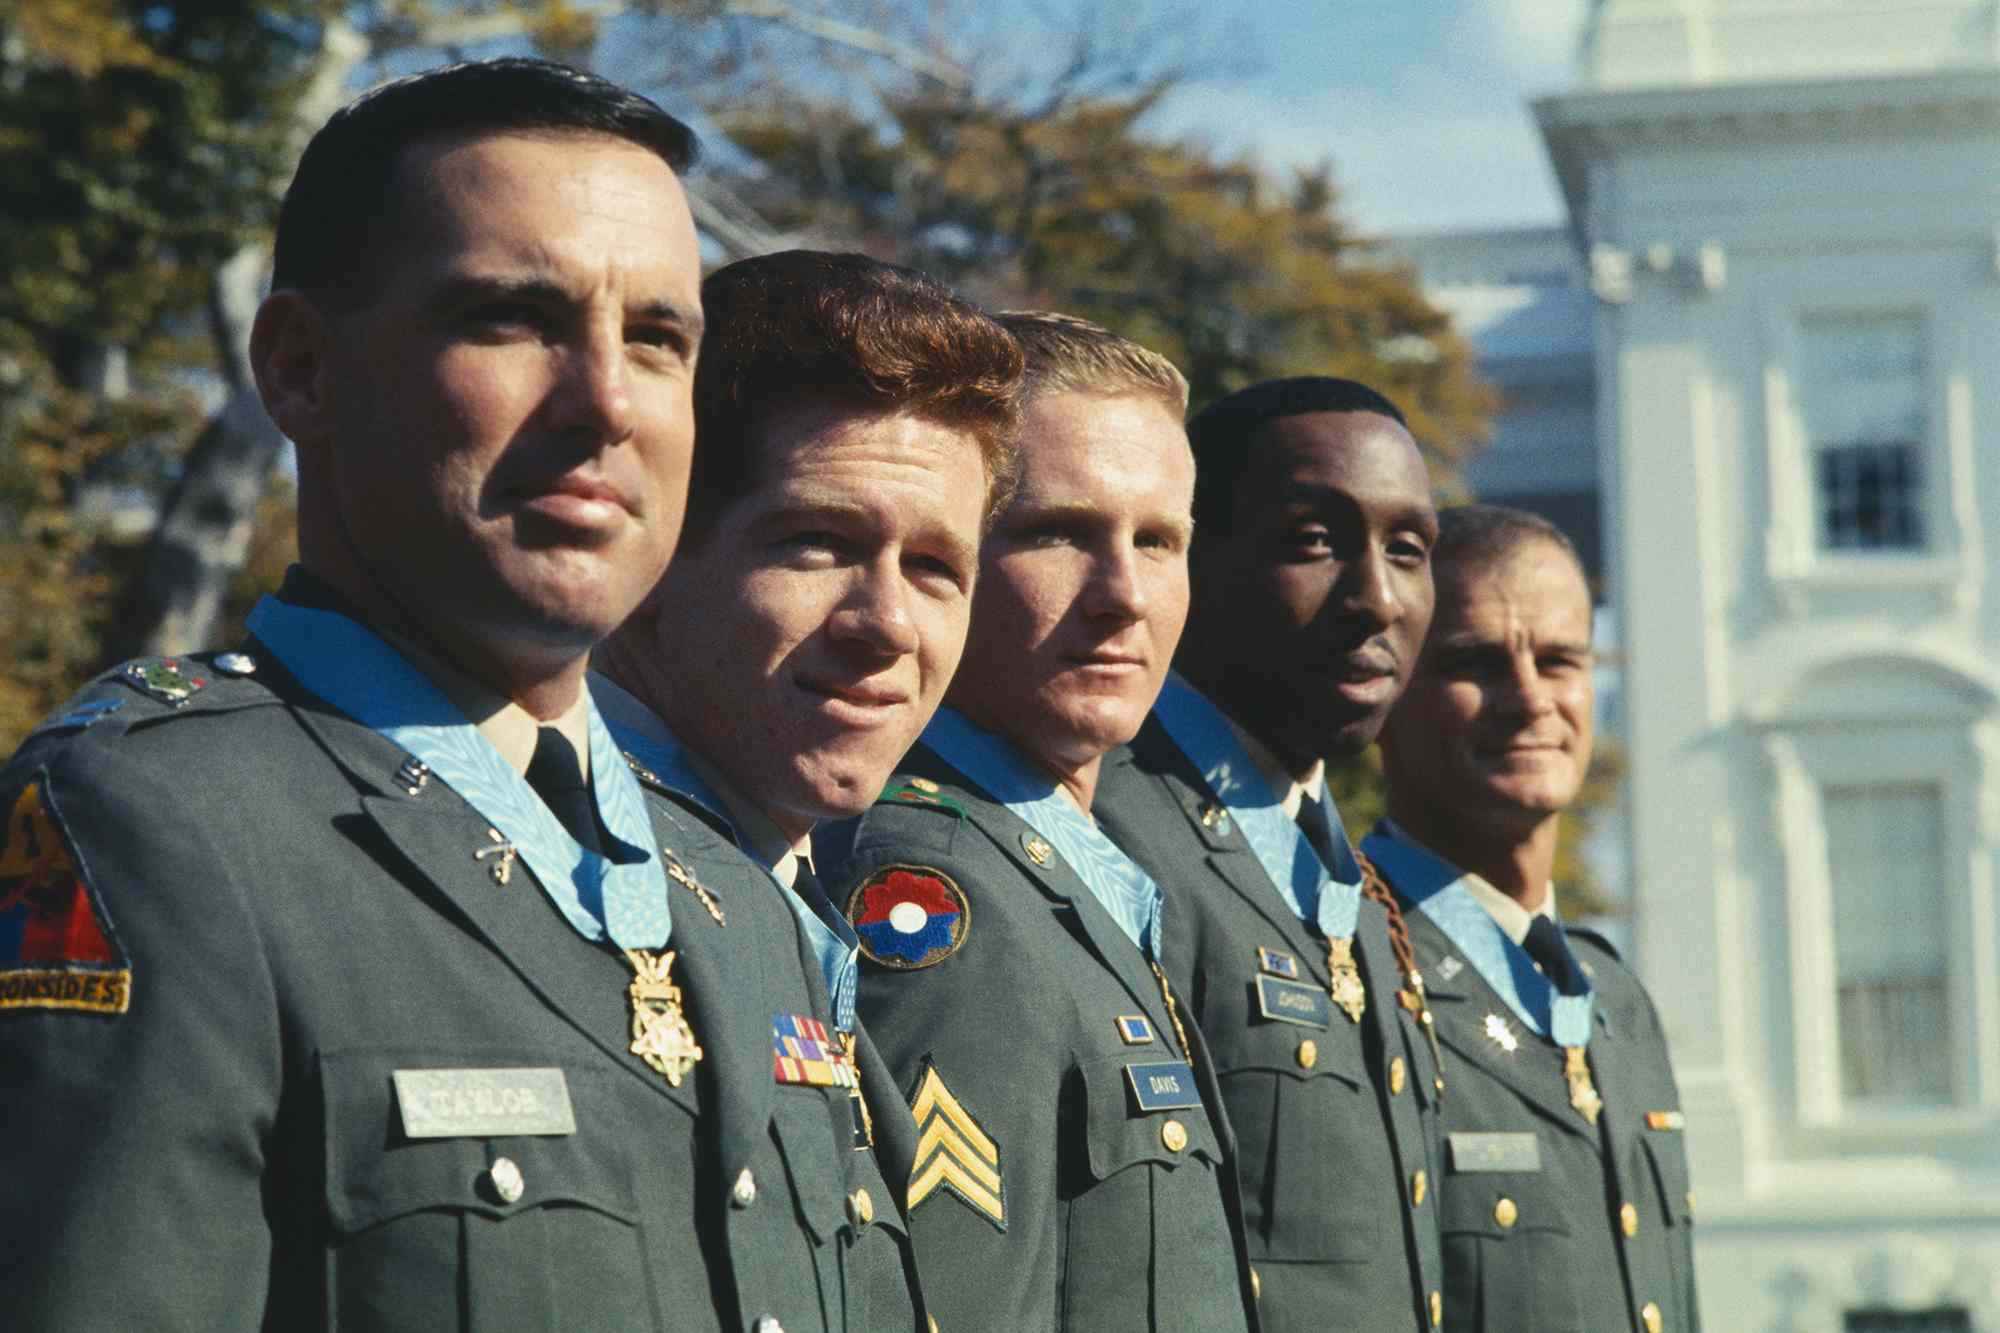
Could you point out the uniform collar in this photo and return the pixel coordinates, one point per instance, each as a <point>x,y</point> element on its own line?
<point>1511,916</point>
<point>1290,791</point>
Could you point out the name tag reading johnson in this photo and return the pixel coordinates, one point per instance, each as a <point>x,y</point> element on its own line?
<point>483,1103</point>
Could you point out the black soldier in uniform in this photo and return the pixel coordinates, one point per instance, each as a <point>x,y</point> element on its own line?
<point>1312,592</point>
<point>856,422</point>
<point>1564,1202</point>
<point>350,980</point>
<point>1073,1167</point>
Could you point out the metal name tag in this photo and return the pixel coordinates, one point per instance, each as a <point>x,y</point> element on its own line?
<point>1294,1002</point>
<point>1495,1152</point>
<point>1164,1085</point>
<point>483,1103</point>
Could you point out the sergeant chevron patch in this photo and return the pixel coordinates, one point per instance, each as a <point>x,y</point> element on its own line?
<point>953,1151</point>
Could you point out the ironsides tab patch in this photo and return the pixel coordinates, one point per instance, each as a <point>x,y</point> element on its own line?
<point>909,917</point>
<point>56,949</point>
<point>954,1152</point>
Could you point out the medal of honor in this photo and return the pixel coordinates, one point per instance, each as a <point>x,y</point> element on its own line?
<point>1582,1094</point>
<point>660,1032</point>
<point>1343,981</point>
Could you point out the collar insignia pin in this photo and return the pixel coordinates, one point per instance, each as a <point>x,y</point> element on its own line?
<point>412,776</point>
<point>504,867</point>
<point>1215,817</point>
<point>1501,1035</point>
<point>235,664</point>
<point>925,785</point>
<point>681,875</point>
<point>1037,847</point>
<point>1449,967</point>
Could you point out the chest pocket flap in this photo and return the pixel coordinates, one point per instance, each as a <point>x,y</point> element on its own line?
<point>375,1173</point>
<point>1122,1135</point>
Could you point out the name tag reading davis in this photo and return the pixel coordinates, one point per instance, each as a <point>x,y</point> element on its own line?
<point>1294,1002</point>
<point>483,1103</point>
<point>1495,1152</point>
<point>1164,1085</point>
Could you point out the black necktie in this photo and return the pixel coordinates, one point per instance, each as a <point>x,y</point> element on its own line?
<point>1317,828</point>
<point>1545,944</point>
<point>558,779</point>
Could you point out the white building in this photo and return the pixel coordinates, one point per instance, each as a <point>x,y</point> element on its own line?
<point>1786,214</point>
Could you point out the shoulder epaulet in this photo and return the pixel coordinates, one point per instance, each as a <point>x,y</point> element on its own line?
<point>150,688</point>
<point>1595,937</point>
<point>919,792</point>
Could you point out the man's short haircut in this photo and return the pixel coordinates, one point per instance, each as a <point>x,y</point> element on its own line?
<point>1070,355</point>
<point>800,327</point>
<point>339,217</point>
<point>1223,432</point>
<point>1478,536</point>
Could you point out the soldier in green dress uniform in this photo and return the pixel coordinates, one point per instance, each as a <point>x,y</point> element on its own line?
<point>349,979</point>
<point>1074,1169</point>
<point>1564,1200</point>
<point>856,420</point>
<point>1312,592</point>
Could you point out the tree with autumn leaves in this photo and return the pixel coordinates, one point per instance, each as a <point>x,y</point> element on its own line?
<point>143,147</point>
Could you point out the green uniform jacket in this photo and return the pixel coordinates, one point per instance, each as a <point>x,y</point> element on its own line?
<point>1335,1123</point>
<point>1112,1218</point>
<point>229,1153</point>
<point>1595,1232</point>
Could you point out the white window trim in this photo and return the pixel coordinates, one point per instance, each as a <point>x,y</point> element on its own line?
<point>1960,760</point>
<point>1795,567</point>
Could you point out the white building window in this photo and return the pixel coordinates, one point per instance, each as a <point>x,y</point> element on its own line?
<point>1886,870</point>
<point>1863,390</point>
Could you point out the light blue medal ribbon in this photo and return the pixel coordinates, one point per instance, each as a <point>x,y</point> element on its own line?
<point>365,678</point>
<point>1311,890</point>
<point>837,947</point>
<point>1113,878</point>
<point>1438,890</point>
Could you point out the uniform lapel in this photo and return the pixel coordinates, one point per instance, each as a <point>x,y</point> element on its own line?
<point>437,833</point>
<point>1461,1005</point>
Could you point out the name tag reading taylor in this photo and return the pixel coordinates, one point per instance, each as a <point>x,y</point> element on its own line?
<point>1163,1085</point>
<point>483,1103</point>
<point>1294,1002</point>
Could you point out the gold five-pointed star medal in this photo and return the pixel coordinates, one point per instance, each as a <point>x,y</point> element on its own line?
<point>1343,979</point>
<point>660,1032</point>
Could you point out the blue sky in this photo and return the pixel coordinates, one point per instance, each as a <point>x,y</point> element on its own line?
<point>1420,104</point>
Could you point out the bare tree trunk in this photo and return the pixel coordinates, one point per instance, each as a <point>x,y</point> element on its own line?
<point>203,535</point>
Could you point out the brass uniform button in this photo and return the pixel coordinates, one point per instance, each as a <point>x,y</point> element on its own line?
<point>1420,1185</point>
<point>1174,1135</point>
<point>744,1192</point>
<point>1628,1221</point>
<point>1437,1309</point>
<point>1505,1213</point>
<point>506,1179</point>
<point>1308,1053</point>
<point>1399,1074</point>
<point>860,1208</point>
<point>933,1319</point>
<point>767,1323</point>
<point>1256,1285</point>
<point>1649,1315</point>
<point>1690,1203</point>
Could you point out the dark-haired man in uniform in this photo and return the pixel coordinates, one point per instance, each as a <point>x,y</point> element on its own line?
<point>1073,1169</point>
<point>1564,1201</point>
<point>1312,592</point>
<point>349,979</point>
<point>856,420</point>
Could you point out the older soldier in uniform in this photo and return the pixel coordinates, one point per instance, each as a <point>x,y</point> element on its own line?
<point>1074,1170</point>
<point>1312,591</point>
<point>350,982</point>
<point>856,418</point>
<point>1564,1202</point>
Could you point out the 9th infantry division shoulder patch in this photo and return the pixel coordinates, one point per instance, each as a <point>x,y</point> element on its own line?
<point>953,1151</point>
<point>56,946</point>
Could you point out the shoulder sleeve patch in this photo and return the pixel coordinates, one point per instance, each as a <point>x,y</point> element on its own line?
<point>56,946</point>
<point>909,917</point>
<point>953,1151</point>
